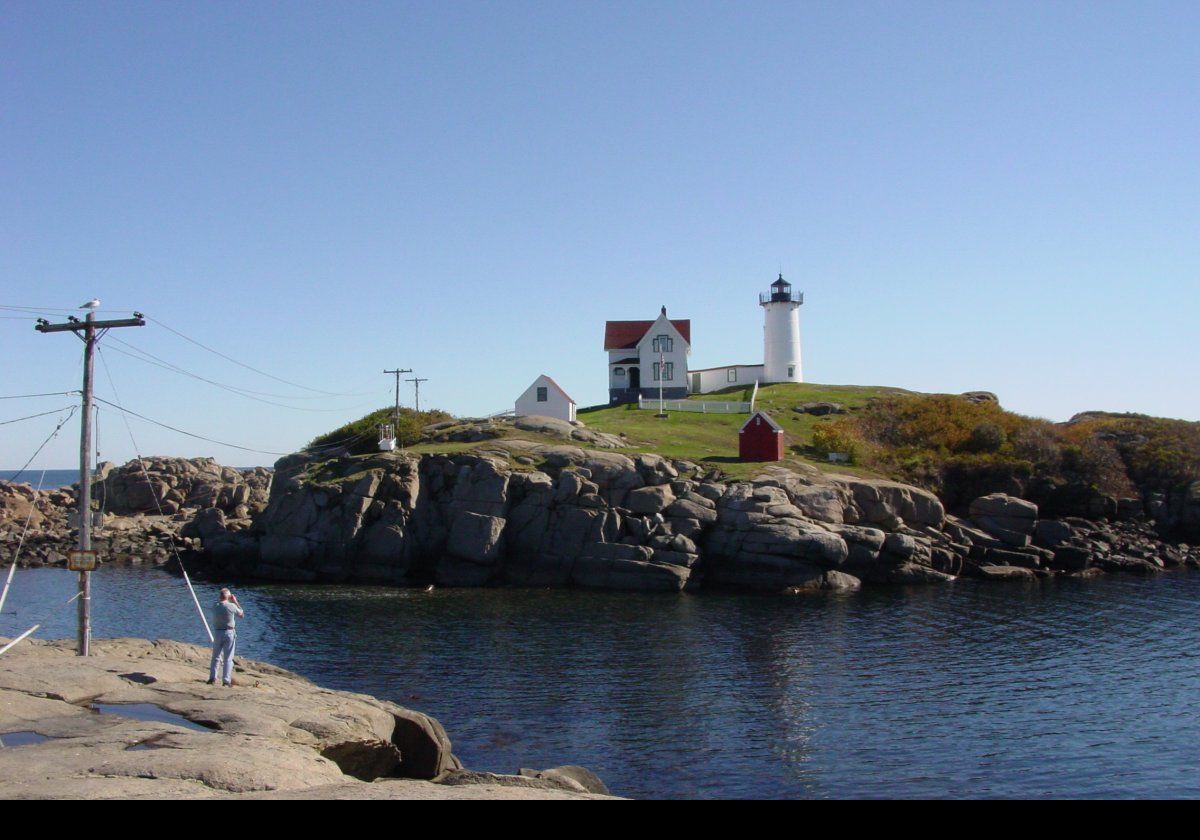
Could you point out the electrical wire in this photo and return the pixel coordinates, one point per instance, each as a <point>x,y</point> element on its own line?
<point>151,359</point>
<point>32,416</point>
<point>31,396</point>
<point>246,366</point>
<point>53,434</point>
<point>124,410</point>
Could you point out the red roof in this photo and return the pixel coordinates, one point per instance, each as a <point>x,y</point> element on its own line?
<point>775,427</point>
<point>622,335</point>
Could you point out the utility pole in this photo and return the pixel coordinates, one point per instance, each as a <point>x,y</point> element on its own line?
<point>397,373</point>
<point>417,389</point>
<point>87,332</point>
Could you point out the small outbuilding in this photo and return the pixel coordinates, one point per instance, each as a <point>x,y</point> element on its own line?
<point>545,398</point>
<point>761,439</point>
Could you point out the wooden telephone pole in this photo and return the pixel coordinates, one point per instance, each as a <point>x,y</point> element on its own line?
<point>417,391</point>
<point>397,373</point>
<point>87,332</point>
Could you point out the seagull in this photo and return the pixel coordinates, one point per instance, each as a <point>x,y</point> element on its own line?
<point>94,303</point>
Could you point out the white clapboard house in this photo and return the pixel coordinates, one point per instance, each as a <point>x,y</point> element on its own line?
<point>546,398</point>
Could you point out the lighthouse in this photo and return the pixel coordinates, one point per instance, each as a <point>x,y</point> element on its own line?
<point>781,333</point>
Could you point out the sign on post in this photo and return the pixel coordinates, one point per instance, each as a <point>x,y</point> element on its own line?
<point>81,560</point>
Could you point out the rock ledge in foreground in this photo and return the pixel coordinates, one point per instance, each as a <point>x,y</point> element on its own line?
<point>274,734</point>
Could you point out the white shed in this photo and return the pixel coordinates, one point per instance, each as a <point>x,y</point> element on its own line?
<point>545,398</point>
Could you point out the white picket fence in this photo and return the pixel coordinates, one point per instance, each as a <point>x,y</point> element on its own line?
<point>698,406</point>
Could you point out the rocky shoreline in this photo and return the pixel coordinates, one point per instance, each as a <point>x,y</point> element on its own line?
<point>532,514</point>
<point>141,516</point>
<point>524,513</point>
<point>137,720</point>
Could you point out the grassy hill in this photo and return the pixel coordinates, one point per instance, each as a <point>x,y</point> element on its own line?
<point>713,438</point>
<point>958,447</point>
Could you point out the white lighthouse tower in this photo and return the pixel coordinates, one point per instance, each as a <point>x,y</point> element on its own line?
<point>781,333</point>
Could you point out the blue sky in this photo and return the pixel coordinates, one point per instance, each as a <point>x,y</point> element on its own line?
<point>971,196</point>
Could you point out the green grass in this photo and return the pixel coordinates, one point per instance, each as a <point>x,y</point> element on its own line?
<point>713,438</point>
<point>709,439</point>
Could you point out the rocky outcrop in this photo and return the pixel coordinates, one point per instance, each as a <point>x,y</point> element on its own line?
<point>138,515</point>
<point>136,719</point>
<point>37,528</point>
<point>534,514</point>
<point>158,485</point>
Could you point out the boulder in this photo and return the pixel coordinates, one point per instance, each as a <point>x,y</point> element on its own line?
<point>649,500</point>
<point>822,503</point>
<point>1008,519</point>
<point>626,567</point>
<point>819,409</point>
<point>1051,533</point>
<point>572,777</point>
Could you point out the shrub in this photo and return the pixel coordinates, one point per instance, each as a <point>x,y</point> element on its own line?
<point>361,437</point>
<point>835,436</point>
<point>986,437</point>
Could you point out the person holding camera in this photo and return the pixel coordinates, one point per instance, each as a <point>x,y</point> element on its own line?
<point>225,614</point>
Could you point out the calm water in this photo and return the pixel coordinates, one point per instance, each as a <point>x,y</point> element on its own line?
<point>1065,689</point>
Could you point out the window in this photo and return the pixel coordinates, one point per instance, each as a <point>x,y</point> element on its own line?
<point>791,372</point>
<point>668,372</point>
<point>662,344</point>
<point>542,397</point>
<point>731,375</point>
<point>618,371</point>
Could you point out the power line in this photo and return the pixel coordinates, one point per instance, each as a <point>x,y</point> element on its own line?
<point>53,434</point>
<point>31,416</point>
<point>31,396</point>
<point>44,310</point>
<point>246,366</point>
<point>151,359</point>
<point>184,432</point>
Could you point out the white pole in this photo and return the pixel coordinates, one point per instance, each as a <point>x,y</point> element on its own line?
<point>7,584</point>
<point>662,373</point>
<point>196,601</point>
<point>28,632</point>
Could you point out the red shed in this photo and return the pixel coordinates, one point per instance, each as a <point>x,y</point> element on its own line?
<point>761,439</point>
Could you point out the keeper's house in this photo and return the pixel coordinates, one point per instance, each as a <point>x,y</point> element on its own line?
<point>646,355</point>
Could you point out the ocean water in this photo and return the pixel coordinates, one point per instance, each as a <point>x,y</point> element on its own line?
<point>52,480</point>
<point>1057,689</point>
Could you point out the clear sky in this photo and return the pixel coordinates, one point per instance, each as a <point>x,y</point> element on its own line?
<point>999,196</point>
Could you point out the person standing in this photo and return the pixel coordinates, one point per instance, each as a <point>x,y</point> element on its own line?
<point>225,614</point>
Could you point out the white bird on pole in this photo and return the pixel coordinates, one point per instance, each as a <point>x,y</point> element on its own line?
<point>94,303</point>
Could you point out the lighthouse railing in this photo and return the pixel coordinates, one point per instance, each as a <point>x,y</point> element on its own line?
<point>781,297</point>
